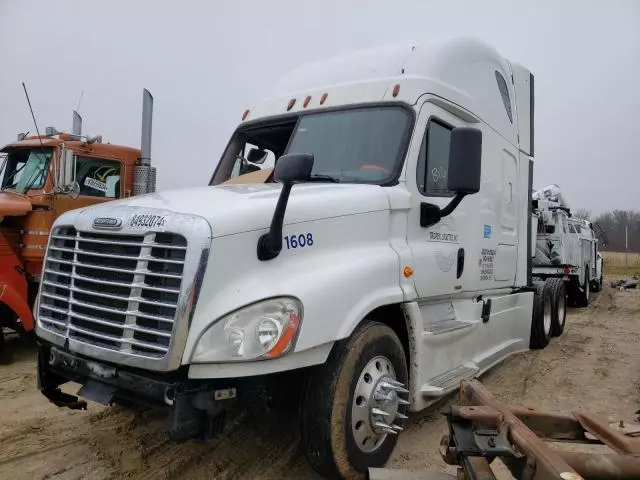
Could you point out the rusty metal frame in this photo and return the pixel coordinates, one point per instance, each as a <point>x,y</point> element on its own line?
<point>482,429</point>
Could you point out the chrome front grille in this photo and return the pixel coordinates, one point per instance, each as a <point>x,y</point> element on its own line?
<point>117,291</point>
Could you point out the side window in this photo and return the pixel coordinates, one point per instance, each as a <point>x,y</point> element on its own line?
<point>504,93</point>
<point>98,177</point>
<point>433,160</point>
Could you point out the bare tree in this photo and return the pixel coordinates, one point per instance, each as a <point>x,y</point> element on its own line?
<point>582,213</point>
<point>614,225</point>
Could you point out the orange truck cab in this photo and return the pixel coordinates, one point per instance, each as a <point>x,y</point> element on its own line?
<point>42,177</point>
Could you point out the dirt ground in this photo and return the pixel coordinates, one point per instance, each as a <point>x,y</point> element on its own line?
<point>594,365</point>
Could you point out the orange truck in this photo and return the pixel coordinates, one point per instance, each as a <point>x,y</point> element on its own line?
<point>42,177</point>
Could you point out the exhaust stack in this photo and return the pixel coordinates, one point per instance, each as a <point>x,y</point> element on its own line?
<point>147,121</point>
<point>76,128</point>
<point>144,175</point>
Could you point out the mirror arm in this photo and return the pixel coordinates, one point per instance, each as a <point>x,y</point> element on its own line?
<point>431,214</point>
<point>270,243</point>
<point>453,204</point>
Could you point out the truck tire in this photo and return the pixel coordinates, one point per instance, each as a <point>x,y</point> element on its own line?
<point>347,401</point>
<point>584,296</point>
<point>597,284</point>
<point>541,317</point>
<point>5,353</point>
<point>559,305</point>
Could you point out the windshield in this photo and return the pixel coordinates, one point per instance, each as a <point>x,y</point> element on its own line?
<point>26,169</point>
<point>360,145</point>
<point>363,145</point>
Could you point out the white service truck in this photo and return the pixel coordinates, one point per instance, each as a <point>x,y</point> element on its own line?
<point>591,256</point>
<point>566,248</point>
<point>387,256</point>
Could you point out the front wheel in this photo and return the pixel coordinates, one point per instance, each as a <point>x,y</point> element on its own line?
<point>355,405</point>
<point>597,284</point>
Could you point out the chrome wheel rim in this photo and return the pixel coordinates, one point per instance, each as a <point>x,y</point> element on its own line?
<point>376,404</point>
<point>546,315</point>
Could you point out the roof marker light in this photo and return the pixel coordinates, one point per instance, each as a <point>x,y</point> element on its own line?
<point>292,102</point>
<point>306,101</point>
<point>396,90</point>
<point>245,114</point>
<point>323,97</point>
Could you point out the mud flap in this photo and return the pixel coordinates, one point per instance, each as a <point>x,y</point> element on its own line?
<point>98,392</point>
<point>186,422</point>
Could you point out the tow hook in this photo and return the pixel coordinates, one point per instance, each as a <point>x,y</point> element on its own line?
<point>48,386</point>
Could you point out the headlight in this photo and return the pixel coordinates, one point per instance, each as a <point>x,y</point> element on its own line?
<point>263,330</point>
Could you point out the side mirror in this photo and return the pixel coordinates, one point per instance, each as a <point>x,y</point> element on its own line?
<point>463,177</point>
<point>290,169</point>
<point>66,173</point>
<point>257,156</point>
<point>465,160</point>
<point>293,168</point>
<point>74,190</point>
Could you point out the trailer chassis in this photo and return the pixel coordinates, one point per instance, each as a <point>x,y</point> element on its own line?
<point>482,429</point>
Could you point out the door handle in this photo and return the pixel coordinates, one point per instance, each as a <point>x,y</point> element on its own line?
<point>460,268</point>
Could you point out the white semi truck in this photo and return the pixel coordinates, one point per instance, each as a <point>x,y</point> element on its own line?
<point>387,256</point>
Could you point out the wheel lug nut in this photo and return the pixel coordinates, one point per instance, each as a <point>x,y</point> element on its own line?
<point>378,411</point>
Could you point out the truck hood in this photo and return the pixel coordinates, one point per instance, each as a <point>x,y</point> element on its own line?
<point>231,209</point>
<point>13,205</point>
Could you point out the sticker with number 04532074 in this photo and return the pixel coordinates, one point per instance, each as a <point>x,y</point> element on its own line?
<point>300,240</point>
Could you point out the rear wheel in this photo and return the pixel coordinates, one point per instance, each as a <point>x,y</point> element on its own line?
<point>353,407</point>
<point>541,317</point>
<point>559,305</point>
<point>584,296</point>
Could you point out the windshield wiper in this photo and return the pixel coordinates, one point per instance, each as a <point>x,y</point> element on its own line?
<point>318,177</point>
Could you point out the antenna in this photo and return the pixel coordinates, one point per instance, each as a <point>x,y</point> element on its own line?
<point>38,132</point>
<point>80,101</point>
<point>32,115</point>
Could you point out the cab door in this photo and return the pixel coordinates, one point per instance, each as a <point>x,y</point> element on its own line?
<point>99,180</point>
<point>445,255</point>
<point>441,260</point>
<point>459,259</point>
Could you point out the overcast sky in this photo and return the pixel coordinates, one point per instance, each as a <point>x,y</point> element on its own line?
<point>205,62</point>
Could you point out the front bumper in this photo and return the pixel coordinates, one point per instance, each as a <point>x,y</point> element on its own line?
<point>195,408</point>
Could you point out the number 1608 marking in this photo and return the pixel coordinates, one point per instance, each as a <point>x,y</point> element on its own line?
<point>299,241</point>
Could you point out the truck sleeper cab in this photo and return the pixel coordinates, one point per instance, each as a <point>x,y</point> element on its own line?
<point>387,257</point>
